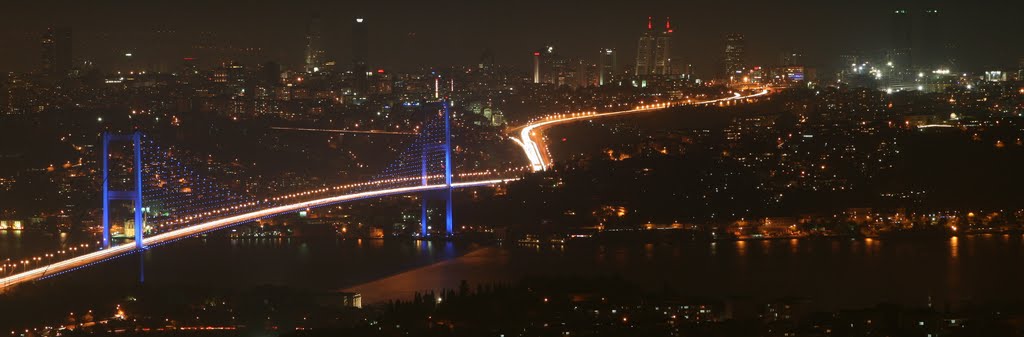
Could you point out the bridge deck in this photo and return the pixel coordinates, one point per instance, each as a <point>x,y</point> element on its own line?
<point>100,256</point>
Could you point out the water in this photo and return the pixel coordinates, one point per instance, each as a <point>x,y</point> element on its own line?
<point>834,273</point>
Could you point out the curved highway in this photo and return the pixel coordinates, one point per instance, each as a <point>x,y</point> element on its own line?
<point>531,139</point>
<point>82,261</point>
<point>531,136</point>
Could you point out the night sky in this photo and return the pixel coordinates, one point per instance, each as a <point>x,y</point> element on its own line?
<point>406,34</point>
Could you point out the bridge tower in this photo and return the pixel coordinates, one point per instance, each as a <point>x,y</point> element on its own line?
<point>445,194</point>
<point>134,195</point>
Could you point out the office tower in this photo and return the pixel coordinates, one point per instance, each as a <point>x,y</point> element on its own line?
<point>735,49</point>
<point>584,74</point>
<point>1020,69</point>
<point>486,59</point>
<point>56,58</point>
<point>360,53</point>
<point>607,63</point>
<point>270,74</point>
<point>849,60</point>
<point>933,54</point>
<point>791,58</point>
<point>5,94</point>
<point>645,50</point>
<point>49,57</point>
<point>663,51</point>
<point>902,39</point>
<point>536,67</point>
<point>314,45</point>
<point>360,45</point>
<point>556,69</point>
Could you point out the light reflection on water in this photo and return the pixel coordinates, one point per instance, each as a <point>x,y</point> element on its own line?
<point>869,270</point>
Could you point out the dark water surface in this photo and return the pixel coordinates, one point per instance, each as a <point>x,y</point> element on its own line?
<point>834,273</point>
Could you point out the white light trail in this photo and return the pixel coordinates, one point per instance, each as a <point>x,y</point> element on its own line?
<point>124,249</point>
<point>531,136</point>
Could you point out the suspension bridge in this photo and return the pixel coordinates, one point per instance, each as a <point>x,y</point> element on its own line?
<point>171,201</point>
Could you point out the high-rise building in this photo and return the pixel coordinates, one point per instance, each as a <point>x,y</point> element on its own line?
<point>791,58</point>
<point>607,65</point>
<point>586,74</point>
<point>360,44</point>
<point>360,52</point>
<point>900,53</point>
<point>5,94</point>
<point>1020,69</point>
<point>654,51</point>
<point>663,51</point>
<point>56,58</point>
<point>49,56</point>
<point>314,45</point>
<point>934,52</point>
<point>555,68</point>
<point>735,52</point>
<point>536,67</point>
<point>645,50</point>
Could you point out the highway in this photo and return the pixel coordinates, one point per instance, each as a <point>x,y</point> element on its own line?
<point>368,132</point>
<point>531,139</point>
<point>531,136</point>
<point>82,261</point>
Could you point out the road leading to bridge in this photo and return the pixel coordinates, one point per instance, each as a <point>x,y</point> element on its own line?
<point>163,238</point>
<point>531,136</point>
<point>531,139</point>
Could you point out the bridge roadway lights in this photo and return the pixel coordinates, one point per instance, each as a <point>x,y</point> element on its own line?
<point>134,195</point>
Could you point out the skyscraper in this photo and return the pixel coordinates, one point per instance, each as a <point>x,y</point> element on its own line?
<point>791,58</point>
<point>607,63</point>
<point>314,45</point>
<point>56,57</point>
<point>536,67</point>
<point>663,51</point>
<point>360,52</point>
<point>555,68</point>
<point>360,44</point>
<point>735,49</point>
<point>933,53</point>
<point>902,39</point>
<point>645,50</point>
<point>654,51</point>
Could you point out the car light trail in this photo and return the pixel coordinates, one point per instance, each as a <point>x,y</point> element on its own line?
<point>372,132</point>
<point>531,136</point>
<point>81,261</point>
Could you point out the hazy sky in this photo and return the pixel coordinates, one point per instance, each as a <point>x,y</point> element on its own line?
<point>410,33</point>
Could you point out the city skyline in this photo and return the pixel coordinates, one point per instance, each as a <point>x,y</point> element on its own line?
<point>481,168</point>
<point>576,29</point>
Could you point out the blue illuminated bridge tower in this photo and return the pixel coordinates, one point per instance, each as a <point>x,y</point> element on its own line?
<point>443,145</point>
<point>134,195</point>
<point>172,201</point>
<point>167,194</point>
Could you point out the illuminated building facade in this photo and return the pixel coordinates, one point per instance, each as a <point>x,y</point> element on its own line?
<point>663,51</point>
<point>607,63</point>
<point>645,50</point>
<point>654,51</point>
<point>314,46</point>
<point>56,58</point>
<point>735,52</point>
<point>360,53</point>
